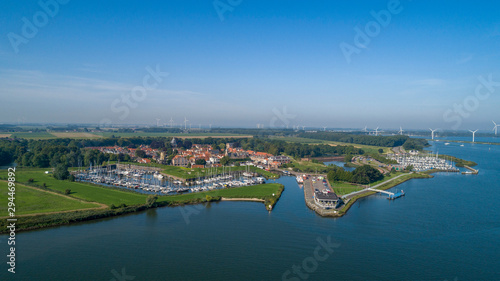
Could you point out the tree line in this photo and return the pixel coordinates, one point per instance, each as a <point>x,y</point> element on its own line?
<point>387,141</point>
<point>74,153</point>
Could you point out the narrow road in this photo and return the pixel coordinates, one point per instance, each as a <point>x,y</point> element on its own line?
<point>373,187</point>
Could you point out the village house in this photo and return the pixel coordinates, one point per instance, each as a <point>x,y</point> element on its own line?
<point>280,159</point>
<point>180,161</point>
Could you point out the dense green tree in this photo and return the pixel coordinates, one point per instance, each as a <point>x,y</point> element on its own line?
<point>224,160</point>
<point>5,157</point>
<point>41,161</point>
<point>140,153</point>
<point>366,174</point>
<point>200,162</point>
<point>61,172</point>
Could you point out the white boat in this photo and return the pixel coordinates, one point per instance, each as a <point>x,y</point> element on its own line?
<point>300,179</point>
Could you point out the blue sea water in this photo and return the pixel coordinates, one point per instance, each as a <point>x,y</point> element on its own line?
<point>445,228</point>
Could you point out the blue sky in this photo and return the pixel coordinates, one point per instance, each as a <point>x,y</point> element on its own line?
<point>274,63</point>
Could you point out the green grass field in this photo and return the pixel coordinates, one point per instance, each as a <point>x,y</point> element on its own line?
<point>80,190</point>
<point>34,136</point>
<point>261,191</point>
<point>31,201</point>
<point>346,190</point>
<point>306,166</point>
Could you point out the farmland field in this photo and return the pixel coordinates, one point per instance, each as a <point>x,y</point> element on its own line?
<point>34,135</point>
<point>77,135</point>
<point>177,135</point>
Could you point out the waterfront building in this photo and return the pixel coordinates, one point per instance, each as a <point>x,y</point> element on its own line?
<point>327,199</point>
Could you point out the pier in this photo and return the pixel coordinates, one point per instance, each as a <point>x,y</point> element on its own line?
<point>381,191</point>
<point>471,171</point>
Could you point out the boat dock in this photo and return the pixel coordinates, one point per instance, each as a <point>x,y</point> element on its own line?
<point>396,195</point>
<point>471,171</point>
<point>391,196</point>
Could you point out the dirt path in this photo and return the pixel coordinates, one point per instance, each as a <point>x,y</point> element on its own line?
<point>101,206</point>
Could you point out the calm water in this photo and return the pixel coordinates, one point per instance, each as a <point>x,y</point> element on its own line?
<point>446,228</point>
<point>340,164</point>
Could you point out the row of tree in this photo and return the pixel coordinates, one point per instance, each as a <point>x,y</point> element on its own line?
<point>387,141</point>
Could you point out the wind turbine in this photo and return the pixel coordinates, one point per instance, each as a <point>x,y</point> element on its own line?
<point>376,131</point>
<point>324,129</point>
<point>432,132</point>
<point>496,127</point>
<point>185,123</point>
<point>473,134</point>
<point>365,129</point>
<point>171,122</point>
<point>158,122</point>
<point>401,130</point>
<point>303,127</point>
<point>210,126</point>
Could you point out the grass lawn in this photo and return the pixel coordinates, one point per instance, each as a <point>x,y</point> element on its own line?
<point>31,201</point>
<point>306,166</point>
<point>387,177</point>
<point>346,190</point>
<point>342,188</point>
<point>261,191</point>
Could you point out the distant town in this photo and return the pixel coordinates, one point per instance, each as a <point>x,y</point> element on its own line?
<point>198,156</point>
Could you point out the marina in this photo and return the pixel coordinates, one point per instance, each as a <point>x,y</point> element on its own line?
<point>423,163</point>
<point>154,182</point>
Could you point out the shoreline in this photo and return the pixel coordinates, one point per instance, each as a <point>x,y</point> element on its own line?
<point>243,199</point>
<point>34,221</point>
